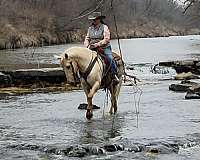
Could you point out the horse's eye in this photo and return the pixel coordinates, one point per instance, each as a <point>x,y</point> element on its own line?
<point>68,67</point>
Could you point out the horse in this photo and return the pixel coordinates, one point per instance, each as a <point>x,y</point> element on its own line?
<point>91,70</point>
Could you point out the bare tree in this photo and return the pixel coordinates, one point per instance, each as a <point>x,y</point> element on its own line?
<point>50,21</point>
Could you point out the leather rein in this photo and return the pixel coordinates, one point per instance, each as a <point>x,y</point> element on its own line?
<point>74,74</point>
<point>85,74</point>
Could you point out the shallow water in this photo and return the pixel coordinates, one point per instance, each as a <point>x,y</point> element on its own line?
<point>30,125</point>
<point>135,51</point>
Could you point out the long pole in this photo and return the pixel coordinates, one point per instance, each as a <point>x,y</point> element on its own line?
<point>117,33</point>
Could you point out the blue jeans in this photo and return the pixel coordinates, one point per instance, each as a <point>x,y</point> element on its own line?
<point>108,54</point>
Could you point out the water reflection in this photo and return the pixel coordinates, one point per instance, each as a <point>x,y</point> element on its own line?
<point>101,130</point>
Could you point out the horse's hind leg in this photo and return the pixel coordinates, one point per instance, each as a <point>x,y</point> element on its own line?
<point>113,100</point>
<point>114,103</point>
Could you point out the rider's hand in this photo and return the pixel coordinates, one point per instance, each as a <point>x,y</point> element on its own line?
<point>92,46</point>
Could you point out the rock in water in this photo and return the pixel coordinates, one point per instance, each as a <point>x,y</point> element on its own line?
<point>5,80</point>
<point>186,76</point>
<point>94,150</point>
<point>193,92</point>
<point>114,147</point>
<point>84,106</point>
<point>192,96</point>
<point>180,87</point>
<point>77,151</point>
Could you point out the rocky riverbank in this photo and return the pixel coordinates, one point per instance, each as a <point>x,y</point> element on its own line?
<point>33,80</point>
<point>189,74</point>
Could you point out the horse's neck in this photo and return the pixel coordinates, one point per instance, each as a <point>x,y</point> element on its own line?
<point>83,60</point>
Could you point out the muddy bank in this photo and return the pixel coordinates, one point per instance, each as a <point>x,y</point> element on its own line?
<point>14,38</point>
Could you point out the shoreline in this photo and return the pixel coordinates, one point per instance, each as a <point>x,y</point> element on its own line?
<point>22,40</point>
<point>121,37</point>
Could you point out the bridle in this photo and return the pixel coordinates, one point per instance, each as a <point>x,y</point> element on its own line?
<point>85,74</point>
<point>74,74</point>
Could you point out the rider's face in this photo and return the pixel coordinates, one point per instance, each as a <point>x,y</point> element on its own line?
<point>96,21</point>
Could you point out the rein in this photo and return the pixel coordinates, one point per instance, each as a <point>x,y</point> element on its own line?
<point>74,74</point>
<point>85,74</point>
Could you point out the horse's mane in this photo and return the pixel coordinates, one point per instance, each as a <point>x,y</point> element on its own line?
<point>76,51</point>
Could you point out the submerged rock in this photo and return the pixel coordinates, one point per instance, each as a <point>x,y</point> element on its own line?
<point>114,147</point>
<point>193,92</point>
<point>156,69</point>
<point>184,86</point>
<point>153,150</point>
<point>95,150</point>
<point>130,67</point>
<point>180,87</point>
<point>77,151</point>
<point>84,106</point>
<point>34,78</point>
<point>136,148</point>
<point>186,76</point>
<point>85,150</point>
<point>162,148</point>
<point>192,96</point>
<point>191,87</point>
<point>183,66</point>
<point>5,80</point>
<point>24,146</point>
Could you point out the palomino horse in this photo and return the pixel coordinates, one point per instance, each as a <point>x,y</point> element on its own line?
<point>91,70</point>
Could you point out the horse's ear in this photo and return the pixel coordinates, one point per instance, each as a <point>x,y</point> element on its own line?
<point>66,56</point>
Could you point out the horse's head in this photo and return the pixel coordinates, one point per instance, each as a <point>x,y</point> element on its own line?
<point>70,68</point>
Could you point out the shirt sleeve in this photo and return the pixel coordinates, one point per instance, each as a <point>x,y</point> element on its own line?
<point>87,38</point>
<point>106,36</point>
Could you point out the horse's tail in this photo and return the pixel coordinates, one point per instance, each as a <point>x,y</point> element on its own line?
<point>120,66</point>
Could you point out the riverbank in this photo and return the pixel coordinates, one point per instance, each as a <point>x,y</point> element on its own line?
<point>12,37</point>
<point>25,81</point>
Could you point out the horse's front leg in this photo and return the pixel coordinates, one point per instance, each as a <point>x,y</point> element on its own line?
<point>89,113</point>
<point>95,87</point>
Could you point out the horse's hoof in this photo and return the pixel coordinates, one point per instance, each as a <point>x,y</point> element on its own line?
<point>111,112</point>
<point>89,114</point>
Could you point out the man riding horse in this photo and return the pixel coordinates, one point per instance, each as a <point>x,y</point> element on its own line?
<point>98,38</point>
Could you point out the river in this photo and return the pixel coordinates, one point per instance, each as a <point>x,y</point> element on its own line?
<point>37,126</point>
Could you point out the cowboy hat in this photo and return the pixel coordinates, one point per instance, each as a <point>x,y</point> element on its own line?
<point>96,15</point>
